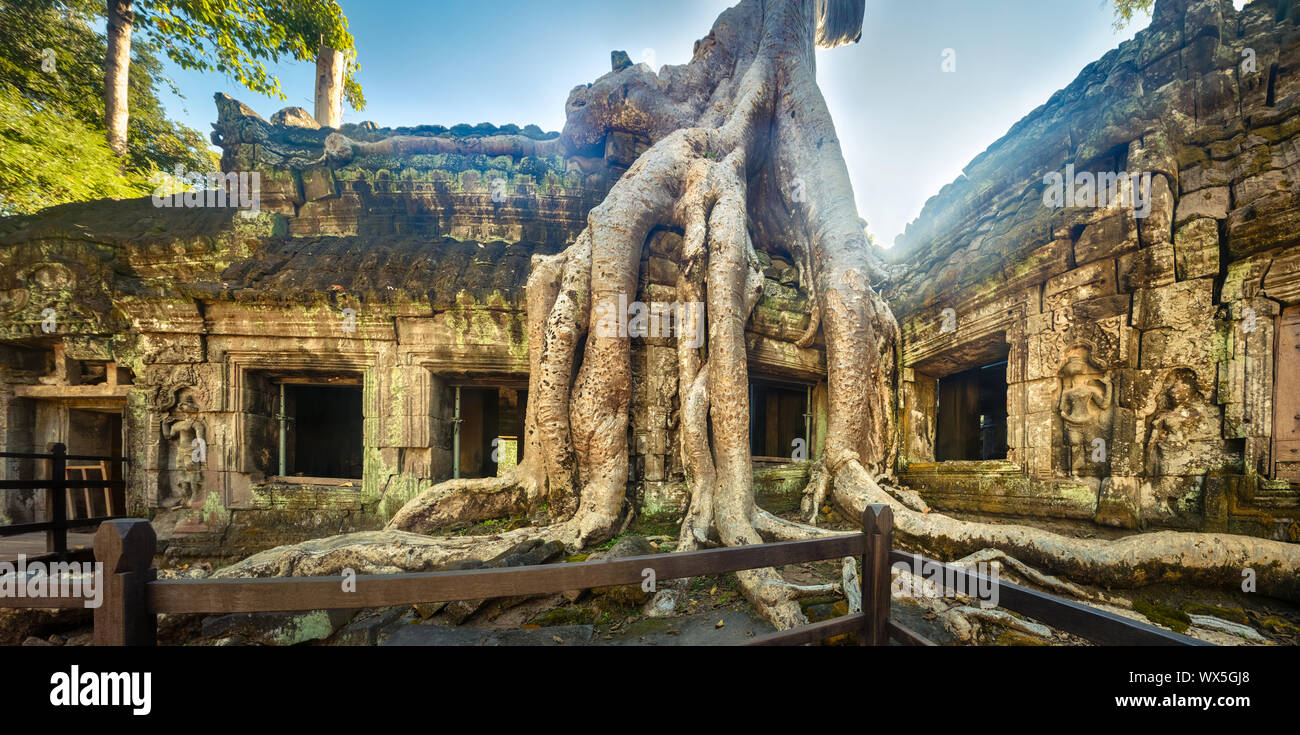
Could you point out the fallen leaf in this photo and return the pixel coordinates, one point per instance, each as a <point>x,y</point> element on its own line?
<point>720,624</point>
<point>532,626</point>
<point>557,639</point>
<point>714,591</point>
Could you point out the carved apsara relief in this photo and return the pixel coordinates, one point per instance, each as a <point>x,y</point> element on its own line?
<point>184,436</point>
<point>1086,407</point>
<point>1182,418</point>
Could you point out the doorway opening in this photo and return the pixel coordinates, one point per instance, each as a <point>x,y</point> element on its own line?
<point>971,420</point>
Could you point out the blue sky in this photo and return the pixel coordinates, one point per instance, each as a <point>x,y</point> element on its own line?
<point>906,126</point>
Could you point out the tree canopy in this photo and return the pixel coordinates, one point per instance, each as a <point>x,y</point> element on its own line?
<point>238,38</point>
<point>1124,10</point>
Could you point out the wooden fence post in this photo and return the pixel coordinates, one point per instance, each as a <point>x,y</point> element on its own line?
<point>56,502</point>
<point>878,536</point>
<point>126,549</point>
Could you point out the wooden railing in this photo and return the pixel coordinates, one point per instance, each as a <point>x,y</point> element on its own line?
<point>132,597</point>
<point>56,486</point>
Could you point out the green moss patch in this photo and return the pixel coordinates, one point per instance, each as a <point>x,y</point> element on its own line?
<point>1170,617</point>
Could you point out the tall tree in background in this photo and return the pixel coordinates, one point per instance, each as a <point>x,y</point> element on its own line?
<point>117,68</point>
<point>228,36</point>
<point>331,70</point>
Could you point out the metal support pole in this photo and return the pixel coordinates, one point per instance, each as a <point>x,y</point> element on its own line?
<point>284,434</point>
<point>807,422</point>
<point>455,438</point>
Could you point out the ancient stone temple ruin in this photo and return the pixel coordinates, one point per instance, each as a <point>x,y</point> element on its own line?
<point>1093,362</point>
<point>1120,349</point>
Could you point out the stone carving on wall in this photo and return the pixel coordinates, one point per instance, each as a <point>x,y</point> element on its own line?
<point>1087,413</point>
<point>1180,420</point>
<point>185,435</point>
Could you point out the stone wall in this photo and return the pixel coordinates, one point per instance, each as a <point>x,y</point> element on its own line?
<point>1140,349</point>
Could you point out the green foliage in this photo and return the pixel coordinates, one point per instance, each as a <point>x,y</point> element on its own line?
<point>236,38</point>
<point>48,158</point>
<point>1124,10</point>
<point>52,74</point>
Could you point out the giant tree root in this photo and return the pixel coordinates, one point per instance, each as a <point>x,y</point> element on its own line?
<point>1203,559</point>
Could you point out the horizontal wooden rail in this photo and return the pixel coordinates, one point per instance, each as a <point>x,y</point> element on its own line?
<point>1098,626</point>
<point>383,590</point>
<point>42,603</point>
<point>38,526</point>
<point>74,484</point>
<point>813,632</point>
<point>89,457</point>
<point>907,636</point>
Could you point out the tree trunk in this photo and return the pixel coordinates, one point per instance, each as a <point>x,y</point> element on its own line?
<point>330,66</point>
<point>743,152</point>
<point>117,69</point>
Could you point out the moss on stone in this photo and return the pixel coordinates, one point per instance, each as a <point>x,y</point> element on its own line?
<point>569,615</point>
<point>1017,638</point>
<point>1235,614</point>
<point>1161,614</point>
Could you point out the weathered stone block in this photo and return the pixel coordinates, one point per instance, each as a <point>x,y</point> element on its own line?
<point>1102,307</point>
<point>1107,238</point>
<point>1196,249</point>
<point>318,183</point>
<point>1041,394</point>
<point>1208,173</point>
<point>1180,305</point>
<point>1252,188</point>
<point>1156,226</point>
<point>1137,389</point>
<point>1271,221</point>
<point>1216,92</point>
<point>1196,347</point>
<point>1037,323</point>
<point>1039,265</point>
<point>295,117</point>
<point>663,500</point>
<point>654,467</point>
<point>1089,281</point>
<point>1213,202</point>
<point>1119,504</point>
<point>1150,266</point>
<point>1039,428</point>
<point>171,348</point>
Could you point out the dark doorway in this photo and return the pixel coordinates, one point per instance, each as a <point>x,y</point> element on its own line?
<point>776,414</point>
<point>327,428</point>
<point>491,421</point>
<point>972,414</point>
